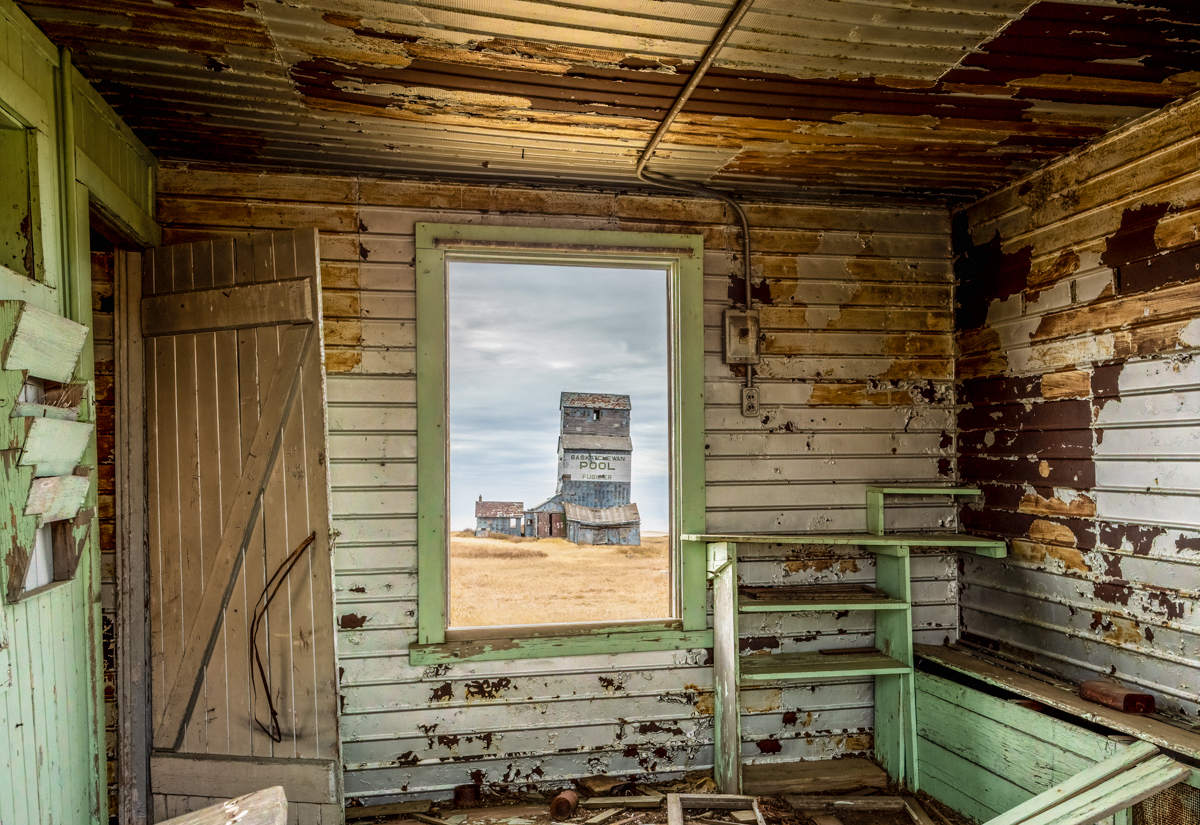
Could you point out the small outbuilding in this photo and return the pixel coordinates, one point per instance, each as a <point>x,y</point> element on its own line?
<point>546,519</point>
<point>603,525</point>
<point>499,517</point>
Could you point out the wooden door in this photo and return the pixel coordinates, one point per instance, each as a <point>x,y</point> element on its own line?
<point>236,484</point>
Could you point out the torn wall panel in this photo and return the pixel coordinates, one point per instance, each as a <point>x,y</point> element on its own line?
<point>1079,415</point>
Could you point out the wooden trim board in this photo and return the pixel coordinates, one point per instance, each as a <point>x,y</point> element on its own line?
<point>132,630</point>
<point>303,780</point>
<point>249,305</point>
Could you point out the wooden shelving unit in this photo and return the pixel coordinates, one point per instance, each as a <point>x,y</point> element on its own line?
<point>890,601</point>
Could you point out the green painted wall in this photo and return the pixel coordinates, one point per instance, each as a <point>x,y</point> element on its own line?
<point>983,755</point>
<point>52,761</point>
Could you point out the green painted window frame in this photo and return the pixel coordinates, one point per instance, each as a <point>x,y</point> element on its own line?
<point>683,258</point>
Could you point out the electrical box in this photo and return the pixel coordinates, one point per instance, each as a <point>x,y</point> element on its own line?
<point>741,336</point>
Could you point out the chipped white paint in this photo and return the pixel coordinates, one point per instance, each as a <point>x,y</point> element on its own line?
<point>424,730</point>
<point>1112,592</point>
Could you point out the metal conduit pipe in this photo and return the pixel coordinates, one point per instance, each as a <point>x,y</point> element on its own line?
<point>659,179</point>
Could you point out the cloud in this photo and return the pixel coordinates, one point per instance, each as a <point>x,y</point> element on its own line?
<point>519,335</point>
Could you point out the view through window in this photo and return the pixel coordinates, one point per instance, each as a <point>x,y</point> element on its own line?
<point>559,468</point>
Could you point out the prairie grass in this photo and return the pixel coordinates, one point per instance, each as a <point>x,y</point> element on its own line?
<point>495,581</point>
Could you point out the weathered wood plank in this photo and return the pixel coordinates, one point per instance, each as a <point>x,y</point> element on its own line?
<point>1085,780</point>
<point>303,780</point>
<point>45,344</point>
<point>415,806</point>
<point>236,734</point>
<point>238,525</point>
<point>55,447</point>
<point>189,472</point>
<point>1117,793</point>
<point>132,509</point>
<point>266,807</point>
<point>276,633</point>
<point>727,731</point>
<point>812,777</point>
<point>809,802</point>
<point>221,700</point>
<point>255,305</point>
<point>57,498</point>
<point>674,810</point>
<point>1151,730</point>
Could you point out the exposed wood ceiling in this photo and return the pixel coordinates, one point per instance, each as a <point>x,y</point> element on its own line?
<point>934,99</point>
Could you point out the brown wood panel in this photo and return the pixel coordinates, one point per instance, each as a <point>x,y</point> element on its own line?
<point>253,575</point>
<point>213,723</point>
<point>202,266</point>
<point>188,470</point>
<point>235,628</point>
<point>166,578</point>
<point>220,399</point>
<point>276,631</point>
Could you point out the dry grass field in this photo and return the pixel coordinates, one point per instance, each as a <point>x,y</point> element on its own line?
<point>538,581</point>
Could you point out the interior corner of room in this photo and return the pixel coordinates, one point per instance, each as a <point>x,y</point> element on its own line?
<point>600,412</point>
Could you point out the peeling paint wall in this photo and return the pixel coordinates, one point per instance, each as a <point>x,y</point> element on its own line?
<point>51,755</point>
<point>925,98</point>
<point>856,388</point>
<point>1079,323</point>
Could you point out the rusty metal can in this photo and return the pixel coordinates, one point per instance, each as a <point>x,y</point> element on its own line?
<point>466,796</point>
<point>563,805</point>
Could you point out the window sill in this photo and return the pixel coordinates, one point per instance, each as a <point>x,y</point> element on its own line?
<point>605,639</point>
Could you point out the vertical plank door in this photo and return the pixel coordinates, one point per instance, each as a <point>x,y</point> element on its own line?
<point>237,484</point>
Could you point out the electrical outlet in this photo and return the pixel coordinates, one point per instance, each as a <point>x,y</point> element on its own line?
<point>749,401</point>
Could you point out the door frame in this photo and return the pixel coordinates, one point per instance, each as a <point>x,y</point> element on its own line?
<point>132,575</point>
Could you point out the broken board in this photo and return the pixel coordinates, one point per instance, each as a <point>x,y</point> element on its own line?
<point>824,776</point>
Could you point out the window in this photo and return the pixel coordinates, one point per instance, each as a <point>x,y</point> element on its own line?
<point>441,246</point>
<point>20,219</point>
<point>558,395</point>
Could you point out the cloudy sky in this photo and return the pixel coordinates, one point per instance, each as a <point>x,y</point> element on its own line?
<point>518,336</point>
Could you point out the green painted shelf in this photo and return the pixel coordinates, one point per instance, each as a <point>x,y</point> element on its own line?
<point>888,544</point>
<point>889,599</point>
<point>793,666</point>
<point>815,598</point>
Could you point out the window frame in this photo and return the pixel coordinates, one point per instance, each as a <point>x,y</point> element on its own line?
<point>682,256</point>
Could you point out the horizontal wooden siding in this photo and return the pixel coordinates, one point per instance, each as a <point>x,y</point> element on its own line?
<point>856,388</point>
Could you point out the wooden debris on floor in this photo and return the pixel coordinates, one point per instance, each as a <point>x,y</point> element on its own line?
<point>265,807</point>
<point>813,806</point>
<point>415,806</point>
<point>676,803</point>
<point>622,802</point>
<point>916,812</point>
<point>805,802</point>
<point>428,820</point>
<point>829,776</point>
<point>605,786</point>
